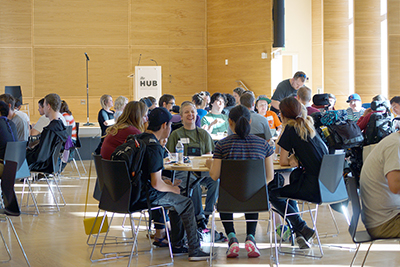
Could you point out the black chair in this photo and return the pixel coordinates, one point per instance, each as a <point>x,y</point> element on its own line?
<point>54,175</point>
<point>16,92</point>
<point>11,204</point>
<point>116,198</point>
<point>358,237</point>
<point>332,190</point>
<point>16,151</point>
<point>243,189</point>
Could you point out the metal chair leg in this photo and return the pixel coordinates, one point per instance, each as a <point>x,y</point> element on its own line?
<point>19,241</point>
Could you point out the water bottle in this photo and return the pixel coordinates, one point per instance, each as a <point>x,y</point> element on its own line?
<point>272,144</point>
<point>179,149</point>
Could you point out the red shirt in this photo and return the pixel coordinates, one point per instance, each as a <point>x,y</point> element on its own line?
<point>111,142</point>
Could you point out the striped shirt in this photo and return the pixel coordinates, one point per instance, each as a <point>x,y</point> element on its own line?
<point>251,147</point>
<point>70,122</point>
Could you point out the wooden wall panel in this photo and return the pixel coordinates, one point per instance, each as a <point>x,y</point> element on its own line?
<point>244,63</point>
<point>75,22</point>
<point>367,21</point>
<point>239,31</point>
<point>335,49</point>
<point>394,47</point>
<point>238,21</point>
<point>317,45</point>
<point>15,23</point>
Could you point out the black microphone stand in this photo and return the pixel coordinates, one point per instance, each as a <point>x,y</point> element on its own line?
<point>87,91</point>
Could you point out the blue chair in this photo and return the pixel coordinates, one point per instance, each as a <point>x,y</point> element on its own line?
<point>332,190</point>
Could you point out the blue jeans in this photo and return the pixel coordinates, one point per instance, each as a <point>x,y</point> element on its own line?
<point>212,193</point>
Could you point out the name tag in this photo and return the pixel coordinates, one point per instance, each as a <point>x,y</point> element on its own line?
<point>185,140</point>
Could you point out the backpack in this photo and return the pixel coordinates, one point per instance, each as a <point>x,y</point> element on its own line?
<point>345,135</point>
<point>378,127</point>
<point>132,152</point>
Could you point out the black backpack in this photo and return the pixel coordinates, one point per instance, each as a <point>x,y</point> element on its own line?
<point>132,152</point>
<point>378,127</point>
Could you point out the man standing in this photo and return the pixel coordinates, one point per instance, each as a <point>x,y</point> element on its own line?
<point>287,88</point>
<point>162,193</point>
<point>39,158</point>
<point>21,124</point>
<point>380,189</point>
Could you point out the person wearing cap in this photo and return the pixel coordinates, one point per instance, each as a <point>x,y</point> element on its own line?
<point>163,193</point>
<point>304,96</point>
<point>287,88</point>
<point>355,109</point>
<point>274,122</point>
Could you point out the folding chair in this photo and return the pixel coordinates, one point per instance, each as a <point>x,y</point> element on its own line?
<point>358,237</point>
<point>243,189</point>
<point>16,151</point>
<point>72,159</point>
<point>332,190</point>
<point>11,204</point>
<point>115,197</point>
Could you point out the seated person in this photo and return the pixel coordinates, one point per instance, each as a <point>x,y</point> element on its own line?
<point>274,122</point>
<point>105,118</point>
<point>196,142</point>
<point>67,114</point>
<point>380,189</point>
<point>364,119</point>
<point>200,103</point>
<point>8,132</point>
<point>230,104</point>
<point>162,193</point>
<point>119,106</point>
<point>304,96</point>
<point>215,122</point>
<point>299,136</point>
<point>395,104</point>
<point>237,93</point>
<point>153,102</point>
<point>43,121</point>
<point>241,145</point>
<point>320,98</point>
<point>20,113</point>
<point>131,121</point>
<point>355,109</point>
<point>258,124</point>
<point>39,158</point>
<point>20,123</point>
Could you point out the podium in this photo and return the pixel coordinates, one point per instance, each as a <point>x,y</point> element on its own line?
<point>147,82</point>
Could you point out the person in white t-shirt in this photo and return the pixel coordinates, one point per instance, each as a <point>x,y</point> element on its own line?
<point>380,189</point>
<point>37,128</point>
<point>21,124</point>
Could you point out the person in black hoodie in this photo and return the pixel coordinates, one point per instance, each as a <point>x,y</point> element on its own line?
<point>8,132</point>
<point>39,157</point>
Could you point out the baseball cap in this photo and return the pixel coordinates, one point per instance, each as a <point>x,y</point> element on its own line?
<point>263,97</point>
<point>157,117</point>
<point>353,97</point>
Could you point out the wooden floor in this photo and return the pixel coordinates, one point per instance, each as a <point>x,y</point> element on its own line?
<point>58,238</point>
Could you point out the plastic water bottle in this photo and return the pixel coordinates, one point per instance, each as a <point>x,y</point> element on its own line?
<point>179,149</point>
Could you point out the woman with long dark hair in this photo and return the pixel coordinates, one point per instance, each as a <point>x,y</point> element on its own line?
<point>303,148</point>
<point>241,146</point>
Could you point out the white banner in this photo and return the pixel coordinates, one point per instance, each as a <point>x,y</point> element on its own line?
<point>147,82</point>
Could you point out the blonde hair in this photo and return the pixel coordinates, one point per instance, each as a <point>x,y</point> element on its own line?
<point>132,115</point>
<point>104,100</point>
<point>120,102</point>
<point>185,104</point>
<point>295,115</point>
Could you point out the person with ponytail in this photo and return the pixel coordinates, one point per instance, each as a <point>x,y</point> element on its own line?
<point>241,145</point>
<point>303,148</point>
<point>8,132</point>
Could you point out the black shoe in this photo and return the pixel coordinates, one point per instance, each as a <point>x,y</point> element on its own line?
<point>307,233</point>
<point>176,251</point>
<point>302,242</point>
<point>199,255</point>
